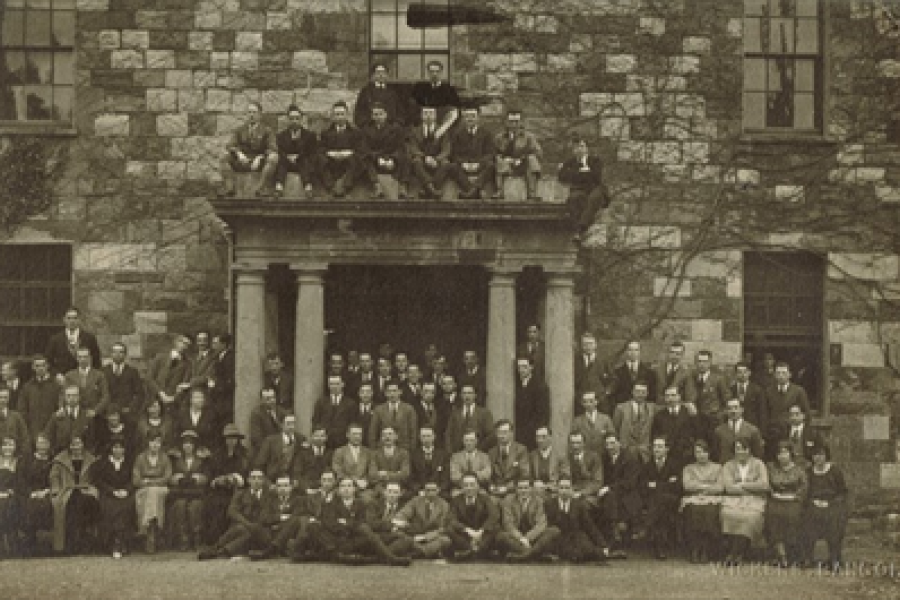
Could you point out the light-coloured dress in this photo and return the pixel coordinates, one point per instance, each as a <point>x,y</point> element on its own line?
<point>151,479</point>
<point>744,504</point>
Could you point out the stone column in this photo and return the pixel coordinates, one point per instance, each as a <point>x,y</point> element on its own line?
<point>250,339</point>
<point>309,343</point>
<point>501,344</point>
<point>560,341</point>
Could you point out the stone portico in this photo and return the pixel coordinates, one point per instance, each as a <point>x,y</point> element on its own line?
<point>311,236</point>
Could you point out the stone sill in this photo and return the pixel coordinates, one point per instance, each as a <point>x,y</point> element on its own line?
<point>787,139</point>
<point>40,129</point>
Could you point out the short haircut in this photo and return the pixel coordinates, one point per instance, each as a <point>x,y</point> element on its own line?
<point>340,104</point>
<point>704,353</point>
<point>434,63</point>
<point>380,65</point>
<point>781,364</point>
<point>294,108</point>
<point>256,104</point>
<point>676,345</point>
<point>702,443</point>
<point>377,106</point>
<point>503,423</point>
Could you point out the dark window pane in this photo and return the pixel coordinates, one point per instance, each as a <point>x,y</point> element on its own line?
<point>13,31</point>
<point>59,300</point>
<point>39,101</point>
<point>17,67</point>
<point>64,28</point>
<point>10,303</point>
<point>34,304</point>
<point>37,28</point>
<point>59,263</point>
<point>9,341</point>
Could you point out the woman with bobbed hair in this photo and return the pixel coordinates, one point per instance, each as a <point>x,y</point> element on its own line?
<point>701,502</point>
<point>746,482</point>
<point>74,498</point>
<point>150,477</point>
<point>784,511</point>
<point>825,511</point>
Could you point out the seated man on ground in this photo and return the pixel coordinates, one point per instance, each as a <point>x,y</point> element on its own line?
<point>282,512</point>
<point>247,530</point>
<point>250,149</point>
<point>473,522</point>
<point>525,533</point>
<point>579,540</point>
<point>307,545</point>
<point>423,520</point>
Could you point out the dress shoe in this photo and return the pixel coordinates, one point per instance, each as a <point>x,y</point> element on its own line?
<point>262,554</point>
<point>497,195</point>
<point>209,554</point>
<point>399,561</point>
<point>518,557</point>
<point>661,555</point>
<point>226,192</point>
<point>617,554</point>
<point>462,555</point>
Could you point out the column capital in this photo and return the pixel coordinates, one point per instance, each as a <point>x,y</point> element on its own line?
<point>309,271</point>
<point>250,274</point>
<point>562,278</point>
<point>503,276</point>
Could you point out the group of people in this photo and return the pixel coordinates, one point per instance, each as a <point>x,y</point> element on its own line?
<point>421,151</point>
<point>405,460</point>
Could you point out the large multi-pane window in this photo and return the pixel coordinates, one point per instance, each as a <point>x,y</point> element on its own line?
<point>35,291</point>
<point>37,40</point>
<point>783,65</point>
<point>407,50</point>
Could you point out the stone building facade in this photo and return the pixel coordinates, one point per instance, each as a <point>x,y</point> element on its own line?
<point>751,149</point>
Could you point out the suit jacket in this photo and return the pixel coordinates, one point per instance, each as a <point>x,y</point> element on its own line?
<point>634,430</point>
<point>442,96</point>
<point>682,431</point>
<point>667,480</point>
<point>570,173</point>
<point>335,419</point>
<point>587,473</point>
<point>61,357</point>
<point>127,390</point>
<point>37,403</point>
<point>370,94</point>
<point>803,447</point>
<point>460,465</point>
<point>387,141</point>
<point>591,378</point>
<point>421,469</point>
<point>345,466</point>
<point>308,467</point>
<point>14,394</point>
<point>62,428</point>
<point>482,515</point>
<point>275,458</point>
<point>404,423</point>
<point>206,428</point>
<point>594,433</point>
<point>188,485</point>
<point>778,406</point>
<point>532,409</point>
<point>284,389</point>
<point>529,521</point>
<point>753,399</point>
<point>203,369</point>
<point>348,139</point>
<point>223,384</point>
<point>680,378</point>
<point>305,145</point>
<point>548,470</point>
<point>420,145</point>
<point>424,515</point>
<point>259,140</point>
<point>365,421</point>
<point>507,471</point>
<point>538,357</point>
<point>478,379</point>
<point>245,509</point>
<point>14,426</point>
<point>574,522</point>
<point>481,421</point>
<point>397,466</point>
<point>315,503</point>
<point>622,478</point>
<point>164,373</point>
<point>342,521</point>
<point>712,395</point>
<point>262,425</point>
<point>519,145</point>
<point>477,148</point>
<point>411,394</point>
<point>93,389</point>
<point>379,518</point>
<point>437,418</point>
<point>624,380</point>
<point>276,510</point>
<point>724,438</point>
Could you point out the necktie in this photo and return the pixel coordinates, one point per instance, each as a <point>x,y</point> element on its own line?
<point>393,410</point>
<point>335,400</point>
<point>388,512</point>
<point>795,435</point>
<point>565,506</point>
<point>472,131</point>
<point>734,427</point>
<point>469,463</point>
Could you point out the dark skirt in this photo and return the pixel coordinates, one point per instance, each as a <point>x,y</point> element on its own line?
<point>117,516</point>
<point>82,515</point>
<point>37,515</point>
<point>783,519</point>
<point>702,519</point>
<point>9,513</point>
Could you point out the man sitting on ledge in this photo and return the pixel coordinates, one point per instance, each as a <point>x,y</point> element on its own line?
<point>250,149</point>
<point>340,147</point>
<point>471,157</point>
<point>297,152</point>
<point>384,150</point>
<point>518,155</point>
<point>428,152</point>
<point>583,174</point>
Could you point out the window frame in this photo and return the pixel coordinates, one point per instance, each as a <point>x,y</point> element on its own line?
<point>820,75</point>
<point>394,53</point>
<point>46,126</point>
<point>52,320</point>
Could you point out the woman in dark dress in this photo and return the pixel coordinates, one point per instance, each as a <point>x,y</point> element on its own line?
<point>112,476</point>
<point>825,512</point>
<point>74,497</point>
<point>187,487</point>
<point>784,509</point>
<point>36,508</point>
<point>227,472</point>
<point>11,493</point>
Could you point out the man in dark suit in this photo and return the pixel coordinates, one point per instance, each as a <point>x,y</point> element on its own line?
<point>341,156</point>
<point>91,382</point>
<point>70,421</point>
<point>546,465</point>
<point>733,429</point>
<point>247,529</point>
<point>61,347</point>
<point>427,153</point>
<point>632,370</point>
<point>203,360</point>
<point>384,374</point>
<point>198,417</point>
<point>471,159</point>
<point>620,497</point>
<point>9,372</point>
<point>474,521</point>
<point>803,438</point>
<point>347,537</point>
<point>278,452</point>
<point>126,388</point>
<point>311,461</point>
<point>378,92</point>
<point>531,403</point>
<point>579,540</point>
<point>380,517</point>
<point>265,419</point>
<point>429,462</point>
<point>533,348</point>
<point>223,382</point>
<point>411,387</point>
<point>779,400</point>
<point>673,373</point>
<point>307,544</point>
<point>449,393</point>
<point>660,481</point>
<point>384,151</point>
<point>590,375</point>
<point>251,148</point>
<point>366,414</point>
<point>431,412</point>
<point>396,414</point>
<point>169,374</point>
<point>282,509</point>
<point>473,374</point>
<point>509,461</point>
<point>467,417</point>
<point>583,173</point>
<point>336,411</point>
<point>751,394</point>
<point>365,374</point>
<point>298,152</point>
<point>39,400</point>
<point>675,423</point>
<point>711,393</point>
<point>12,425</point>
<point>439,94</point>
<point>586,469</point>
